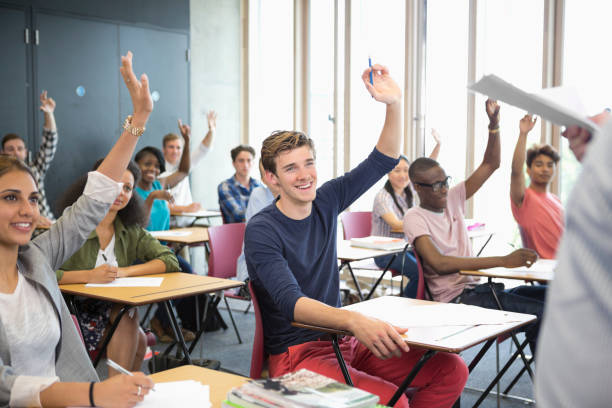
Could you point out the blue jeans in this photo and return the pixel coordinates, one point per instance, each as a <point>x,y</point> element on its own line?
<point>522,299</point>
<point>410,270</point>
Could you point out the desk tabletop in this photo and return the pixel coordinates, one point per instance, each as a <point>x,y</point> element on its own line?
<point>542,271</point>
<point>190,235</point>
<point>198,214</point>
<point>448,338</point>
<point>175,285</point>
<point>348,253</point>
<point>220,383</point>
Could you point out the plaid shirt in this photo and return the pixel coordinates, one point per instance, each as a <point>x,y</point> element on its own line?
<point>39,167</point>
<point>233,199</point>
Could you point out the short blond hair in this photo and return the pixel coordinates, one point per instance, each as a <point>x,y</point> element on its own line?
<point>170,137</point>
<point>282,141</point>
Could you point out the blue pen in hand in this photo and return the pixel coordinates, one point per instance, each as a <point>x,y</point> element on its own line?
<point>370,65</point>
<point>122,370</point>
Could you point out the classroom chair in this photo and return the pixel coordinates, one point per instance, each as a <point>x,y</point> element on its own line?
<point>258,356</point>
<point>423,292</point>
<point>225,247</point>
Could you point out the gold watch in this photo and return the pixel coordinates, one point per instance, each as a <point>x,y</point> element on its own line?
<point>136,131</point>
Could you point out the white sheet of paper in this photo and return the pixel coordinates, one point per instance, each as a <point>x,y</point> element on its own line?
<point>540,266</point>
<point>170,233</point>
<point>202,214</point>
<point>131,282</point>
<point>555,104</point>
<point>442,314</point>
<point>187,393</point>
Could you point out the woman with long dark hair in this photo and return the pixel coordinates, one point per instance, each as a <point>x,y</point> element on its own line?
<point>388,211</point>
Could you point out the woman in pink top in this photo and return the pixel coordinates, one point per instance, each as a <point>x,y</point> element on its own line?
<point>538,212</point>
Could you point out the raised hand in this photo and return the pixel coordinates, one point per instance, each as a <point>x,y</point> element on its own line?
<point>527,123</point>
<point>104,273</point>
<point>381,338</point>
<point>492,108</point>
<point>122,390</point>
<point>384,89</point>
<point>139,90</point>
<point>162,195</point>
<point>579,138</point>
<point>47,105</point>
<point>211,117</point>
<point>436,136</point>
<point>520,257</point>
<point>185,130</point>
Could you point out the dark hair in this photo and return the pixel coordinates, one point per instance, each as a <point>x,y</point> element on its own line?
<point>420,165</point>
<point>9,163</point>
<point>281,141</point>
<point>155,152</point>
<point>10,136</point>
<point>546,149</point>
<point>407,191</point>
<point>241,148</point>
<point>132,214</point>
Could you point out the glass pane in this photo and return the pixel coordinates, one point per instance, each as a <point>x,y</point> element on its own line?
<point>446,100</point>
<point>377,31</point>
<point>586,67</point>
<point>321,92</point>
<point>510,42</point>
<point>271,69</point>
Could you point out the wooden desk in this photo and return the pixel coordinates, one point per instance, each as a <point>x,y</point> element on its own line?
<point>175,285</point>
<point>450,339</point>
<point>197,215</point>
<point>220,383</point>
<point>347,254</point>
<point>185,236</point>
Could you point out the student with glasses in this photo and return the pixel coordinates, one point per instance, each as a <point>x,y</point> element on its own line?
<point>437,231</point>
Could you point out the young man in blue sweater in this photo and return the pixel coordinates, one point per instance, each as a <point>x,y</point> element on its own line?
<point>290,249</point>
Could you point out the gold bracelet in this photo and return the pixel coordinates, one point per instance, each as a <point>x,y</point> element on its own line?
<point>136,131</point>
<point>496,130</point>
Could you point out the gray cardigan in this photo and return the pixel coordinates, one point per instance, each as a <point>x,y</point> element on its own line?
<point>37,261</point>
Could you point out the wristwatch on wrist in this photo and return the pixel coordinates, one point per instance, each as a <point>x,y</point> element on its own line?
<point>136,131</point>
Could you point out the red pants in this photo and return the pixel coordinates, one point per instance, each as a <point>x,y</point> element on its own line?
<point>439,382</point>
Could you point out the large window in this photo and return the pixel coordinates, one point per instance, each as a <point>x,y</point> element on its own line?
<point>510,46</point>
<point>587,67</point>
<point>270,69</point>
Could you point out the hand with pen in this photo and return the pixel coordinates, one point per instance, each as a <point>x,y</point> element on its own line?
<point>104,273</point>
<point>122,390</point>
<point>382,88</point>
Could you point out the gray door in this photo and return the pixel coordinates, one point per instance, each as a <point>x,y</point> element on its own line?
<point>14,79</point>
<point>77,61</point>
<point>161,55</point>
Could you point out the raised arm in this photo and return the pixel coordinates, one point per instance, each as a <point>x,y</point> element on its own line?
<point>385,90</point>
<point>185,163</point>
<point>579,138</point>
<point>445,265</point>
<point>517,176</point>
<point>436,150</point>
<point>492,155</point>
<point>48,145</point>
<point>117,159</point>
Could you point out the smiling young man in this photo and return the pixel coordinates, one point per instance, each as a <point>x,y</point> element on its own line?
<point>538,212</point>
<point>290,249</point>
<point>234,192</point>
<point>437,231</point>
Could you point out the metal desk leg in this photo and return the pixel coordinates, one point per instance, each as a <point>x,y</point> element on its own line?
<point>177,330</point>
<point>345,373</point>
<point>480,354</point>
<point>109,335</point>
<point>382,275</point>
<point>415,370</point>
<point>484,245</point>
<point>348,265</point>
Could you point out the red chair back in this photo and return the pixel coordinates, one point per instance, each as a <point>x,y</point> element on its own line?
<point>225,243</point>
<point>357,224</point>
<point>259,355</point>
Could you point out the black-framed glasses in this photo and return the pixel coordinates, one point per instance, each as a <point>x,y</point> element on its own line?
<point>437,186</point>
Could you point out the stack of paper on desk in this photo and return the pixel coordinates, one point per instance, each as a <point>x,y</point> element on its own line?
<point>374,242</point>
<point>169,233</point>
<point>178,394</point>
<point>131,282</point>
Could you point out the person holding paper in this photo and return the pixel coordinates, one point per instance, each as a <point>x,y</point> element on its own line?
<point>389,207</point>
<point>110,252</point>
<point>574,357</point>
<point>537,211</point>
<point>290,250</point>
<point>437,231</point>
<point>42,358</point>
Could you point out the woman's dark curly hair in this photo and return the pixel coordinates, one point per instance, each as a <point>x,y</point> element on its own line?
<point>155,152</point>
<point>132,214</point>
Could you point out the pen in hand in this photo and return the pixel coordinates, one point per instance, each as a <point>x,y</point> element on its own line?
<point>122,370</point>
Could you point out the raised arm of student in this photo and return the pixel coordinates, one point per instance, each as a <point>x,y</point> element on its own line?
<point>517,176</point>
<point>492,155</point>
<point>206,144</point>
<point>444,264</point>
<point>436,150</point>
<point>579,138</point>
<point>185,163</point>
<point>385,90</point>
